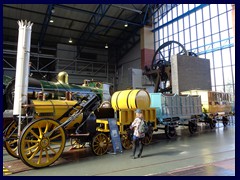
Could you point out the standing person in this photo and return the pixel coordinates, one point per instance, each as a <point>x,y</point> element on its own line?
<point>137,136</point>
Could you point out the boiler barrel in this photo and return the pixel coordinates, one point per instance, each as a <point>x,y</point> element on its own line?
<point>130,99</point>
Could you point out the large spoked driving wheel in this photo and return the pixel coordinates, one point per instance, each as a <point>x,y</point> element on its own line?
<point>170,131</point>
<point>100,144</point>
<point>44,144</point>
<point>126,141</point>
<point>11,139</point>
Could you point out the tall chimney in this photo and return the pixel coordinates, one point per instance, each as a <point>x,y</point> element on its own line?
<point>22,67</point>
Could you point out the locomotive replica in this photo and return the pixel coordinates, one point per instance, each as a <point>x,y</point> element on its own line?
<point>46,114</point>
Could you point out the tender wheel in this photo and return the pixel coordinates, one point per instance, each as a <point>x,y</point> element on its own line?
<point>44,146</point>
<point>225,121</point>
<point>212,124</point>
<point>11,141</point>
<point>76,143</point>
<point>192,126</point>
<point>170,131</point>
<point>148,137</point>
<point>100,144</point>
<point>126,141</point>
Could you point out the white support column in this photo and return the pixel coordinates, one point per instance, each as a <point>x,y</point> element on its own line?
<point>22,67</point>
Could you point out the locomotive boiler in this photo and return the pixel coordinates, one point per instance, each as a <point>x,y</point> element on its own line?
<point>61,89</point>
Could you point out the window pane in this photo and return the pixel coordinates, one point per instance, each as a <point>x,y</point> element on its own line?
<point>229,89</point>
<point>185,8</point>
<point>215,38</point>
<point>219,89</point>
<point>199,16</point>
<point>200,45</point>
<point>175,27</point>
<point>187,37</point>
<point>194,46</point>
<point>217,59</point>
<point>213,8</point>
<point>215,27</point>
<point>181,37</point>
<point>180,11</point>
<point>229,6</point>
<point>191,6</point>
<point>219,76</point>
<point>206,13</point>
<point>187,46</point>
<point>226,57</point>
<point>174,12</point>
<point>186,22</point>
<point>199,31</point>
<point>228,75</point>
<point>192,19</point>
<point>207,28</point>
<point>223,18</point>
<point>229,16</point>
<point>170,29</point>
<point>221,8</point>
<point>180,24</point>
<point>224,34</point>
<point>176,37</point>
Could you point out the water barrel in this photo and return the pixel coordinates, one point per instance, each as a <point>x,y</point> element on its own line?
<point>130,99</point>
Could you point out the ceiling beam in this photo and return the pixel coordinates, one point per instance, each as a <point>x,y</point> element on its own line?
<point>59,17</point>
<point>96,14</point>
<point>45,24</point>
<point>101,10</point>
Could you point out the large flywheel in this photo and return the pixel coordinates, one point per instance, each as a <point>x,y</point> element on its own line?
<point>163,54</point>
<point>45,142</point>
<point>160,70</point>
<point>100,144</point>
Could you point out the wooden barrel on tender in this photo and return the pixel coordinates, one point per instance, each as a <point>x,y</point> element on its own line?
<point>130,99</point>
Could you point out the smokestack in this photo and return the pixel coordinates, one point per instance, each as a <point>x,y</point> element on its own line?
<point>22,67</point>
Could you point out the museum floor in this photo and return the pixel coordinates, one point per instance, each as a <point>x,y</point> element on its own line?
<point>209,152</point>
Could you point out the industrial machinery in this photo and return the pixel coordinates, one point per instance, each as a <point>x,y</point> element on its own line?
<point>160,70</point>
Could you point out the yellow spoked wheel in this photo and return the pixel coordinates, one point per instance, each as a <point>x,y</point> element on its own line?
<point>126,142</point>
<point>45,145</point>
<point>100,144</point>
<point>11,140</point>
<point>76,143</point>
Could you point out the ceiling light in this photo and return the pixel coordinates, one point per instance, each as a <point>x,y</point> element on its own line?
<point>106,46</point>
<point>70,40</point>
<point>126,24</point>
<point>51,21</point>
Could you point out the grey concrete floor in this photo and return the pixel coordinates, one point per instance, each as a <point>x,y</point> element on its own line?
<point>186,151</point>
